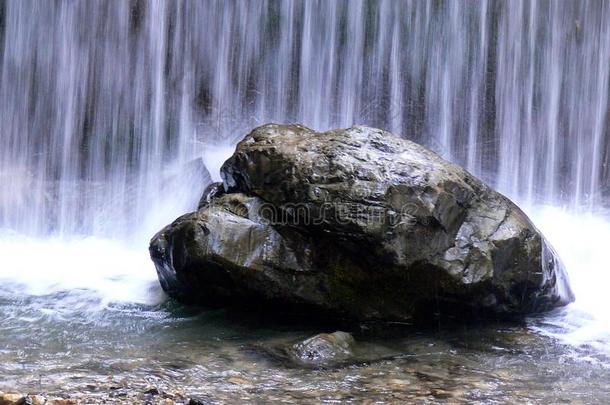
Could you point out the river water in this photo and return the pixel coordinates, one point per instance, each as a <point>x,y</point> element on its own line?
<point>105,105</point>
<point>88,316</point>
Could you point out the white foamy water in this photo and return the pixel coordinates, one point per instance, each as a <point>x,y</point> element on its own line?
<point>106,271</point>
<point>215,156</point>
<point>582,242</point>
<point>89,273</point>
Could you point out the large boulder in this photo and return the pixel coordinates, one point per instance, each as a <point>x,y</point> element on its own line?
<point>358,223</point>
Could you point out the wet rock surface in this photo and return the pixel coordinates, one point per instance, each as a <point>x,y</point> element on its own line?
<point>357,223</point>
<point>325,348</point>
<point>12,398</point>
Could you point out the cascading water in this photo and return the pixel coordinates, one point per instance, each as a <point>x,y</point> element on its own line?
<point>106,105</point>
<point>98,100</point>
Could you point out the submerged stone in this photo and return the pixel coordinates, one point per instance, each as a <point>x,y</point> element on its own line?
<point>324,348</point>
<point>357,223</point>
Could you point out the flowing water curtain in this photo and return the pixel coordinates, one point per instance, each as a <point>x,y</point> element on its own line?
<point>553,66</point>
<point>98,98</point>
<point>92,112</point>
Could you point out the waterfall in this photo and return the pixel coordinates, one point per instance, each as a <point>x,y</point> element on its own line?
<point>109,110</point>
<point>100,99</point>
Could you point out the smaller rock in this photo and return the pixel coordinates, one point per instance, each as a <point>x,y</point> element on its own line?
<point>325,348</point>
<point>397,382</point>
<point>240,381</point>
<point>36,400</point>
<point>12,398</point>
<point>151,390</point>
<point>61,401</point>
